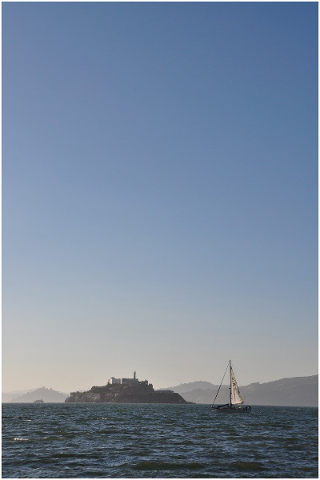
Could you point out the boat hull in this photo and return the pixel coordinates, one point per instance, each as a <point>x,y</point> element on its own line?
<point>233,408</point>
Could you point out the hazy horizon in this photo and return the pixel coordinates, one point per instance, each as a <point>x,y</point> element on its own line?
<point>22,392</point>
<point>160,192</point>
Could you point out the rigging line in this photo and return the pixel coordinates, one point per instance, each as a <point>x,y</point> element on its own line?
<point>220,384</point>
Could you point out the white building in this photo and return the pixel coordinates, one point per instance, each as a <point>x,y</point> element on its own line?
<point>123,381</point>
<point>114,381</point>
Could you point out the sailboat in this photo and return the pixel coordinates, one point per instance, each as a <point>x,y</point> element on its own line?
<point>235,401</point>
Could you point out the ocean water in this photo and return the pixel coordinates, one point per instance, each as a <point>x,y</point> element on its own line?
<point>165,441</point>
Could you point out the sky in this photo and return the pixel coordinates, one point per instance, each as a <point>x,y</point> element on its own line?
<point>160,192</point>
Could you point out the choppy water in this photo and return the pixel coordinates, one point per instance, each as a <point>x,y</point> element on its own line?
<point>130,441</point>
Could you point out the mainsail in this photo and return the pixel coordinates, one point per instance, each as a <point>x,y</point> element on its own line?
<point>235,395</point>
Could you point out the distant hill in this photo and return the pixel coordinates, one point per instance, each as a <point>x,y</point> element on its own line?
<point>8,396</point>
<point>46,394</point>
<point>187,387</point>
<point>296,391</point>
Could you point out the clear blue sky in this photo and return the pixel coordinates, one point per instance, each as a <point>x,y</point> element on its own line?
<point>159,192</point>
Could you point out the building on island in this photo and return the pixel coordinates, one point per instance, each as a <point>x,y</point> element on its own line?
<point>114,381</point>
<point>125,390</point>
<point>125,381</point>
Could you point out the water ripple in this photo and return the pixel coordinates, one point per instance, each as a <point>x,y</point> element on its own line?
<point>164,441</point>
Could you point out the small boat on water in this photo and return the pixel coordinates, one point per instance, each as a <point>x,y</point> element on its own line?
<point>235,401</point>
<point>38,401</point>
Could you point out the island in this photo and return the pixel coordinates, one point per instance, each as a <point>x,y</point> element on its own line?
<point>126,390</point>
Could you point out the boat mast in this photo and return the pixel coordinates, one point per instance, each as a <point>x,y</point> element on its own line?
<point>230,381</point>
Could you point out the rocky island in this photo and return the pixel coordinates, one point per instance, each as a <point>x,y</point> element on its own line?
<point>126,390</point>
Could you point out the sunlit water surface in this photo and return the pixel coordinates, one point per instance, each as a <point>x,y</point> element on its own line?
<point>130,441</point>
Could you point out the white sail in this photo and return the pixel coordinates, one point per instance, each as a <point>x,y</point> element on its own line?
<point>236,398</point>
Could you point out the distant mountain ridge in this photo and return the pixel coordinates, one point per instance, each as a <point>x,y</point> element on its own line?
<point>296,391</point>
<point>46,394</point>
<point>187,387</point>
